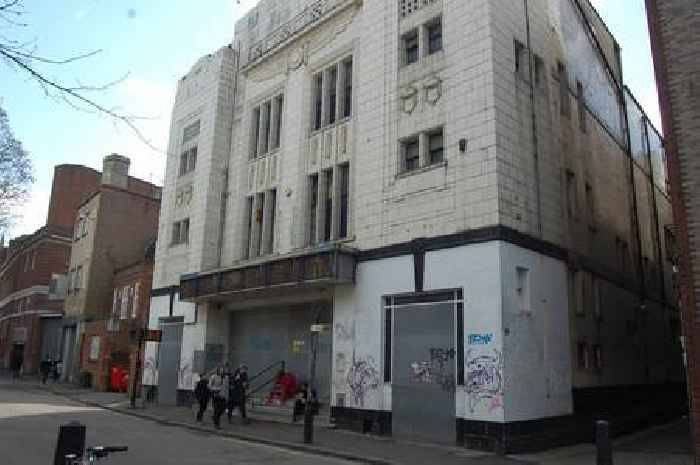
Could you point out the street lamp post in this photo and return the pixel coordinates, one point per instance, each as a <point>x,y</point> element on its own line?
<point>316,329</point>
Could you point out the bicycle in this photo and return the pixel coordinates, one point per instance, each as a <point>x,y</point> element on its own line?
<point>93,454</point>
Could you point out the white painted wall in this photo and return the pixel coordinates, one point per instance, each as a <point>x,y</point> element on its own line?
<point>537,370</point>
<point>358,323</point>
<point>475,269</point>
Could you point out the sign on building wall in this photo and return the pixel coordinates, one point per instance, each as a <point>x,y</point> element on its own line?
<point>19,335</point>
<point>94,348</point>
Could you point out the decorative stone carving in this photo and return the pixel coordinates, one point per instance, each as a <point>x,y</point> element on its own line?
<point>433,89</point>
<point>296,58</point>
<point>409,98</point>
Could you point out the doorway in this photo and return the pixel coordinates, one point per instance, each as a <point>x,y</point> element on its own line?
<point>427,364</point>
<point>169,359</point>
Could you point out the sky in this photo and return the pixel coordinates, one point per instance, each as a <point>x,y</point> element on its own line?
<point>147,46</point>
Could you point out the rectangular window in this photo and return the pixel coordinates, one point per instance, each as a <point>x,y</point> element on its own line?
<point>597,300</point>
<point>435,147</point>
<point>588,302</point>
<point>181,232</point>
<point>249,224</point>
<point>344,181</point>
<point>581,106</point>
<point>270,246</point>
<point>79,278</point>
<point>434,33</point>
<point>192,159</point>
<point>410,47</point>
<point>347,106</point>
<point>313,207</point>
<point>571,194</point>
<point>590,207</point>
<point>332,94</point>
<point>318,101</point>
<point>410,150</point>
<point>582,356</point>
<point>267,113</point>
<point>597,357</point>
<point>183,163</point>
<point>623,255</point>
<point>522,288</point>
<point>135,299</point>
<point>328,207</point>
<point>255,132</point>
<point>259,215</point>
<point>565,104</point>
<point>188,161</point>
<point>277,131</point>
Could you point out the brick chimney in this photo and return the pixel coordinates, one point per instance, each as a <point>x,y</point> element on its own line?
<point>115,170</point>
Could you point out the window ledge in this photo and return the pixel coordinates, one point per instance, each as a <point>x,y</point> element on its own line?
<point>424,169</point>
<point>265,155</point>
<point>324,128</point>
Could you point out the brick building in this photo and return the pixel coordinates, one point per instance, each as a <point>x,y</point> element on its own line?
<point>114,227</point>
<point>466,195</point>
<point>31,288</point>
<point>113,342</point>
<point>675,36</point>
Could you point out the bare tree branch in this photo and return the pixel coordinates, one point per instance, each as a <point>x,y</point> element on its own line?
<point>16,50</point>
<point>23,57</point>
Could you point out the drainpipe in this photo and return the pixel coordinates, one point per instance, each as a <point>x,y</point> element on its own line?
<point>533,114</point>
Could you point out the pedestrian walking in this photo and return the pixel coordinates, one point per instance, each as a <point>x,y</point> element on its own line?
<point>16,364</point>
<point>216,386</point>
<point>45,369</point>
<point>202,394</point>
<point>238,385</point>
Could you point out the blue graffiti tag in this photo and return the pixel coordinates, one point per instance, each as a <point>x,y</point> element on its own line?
<point>480,339</point>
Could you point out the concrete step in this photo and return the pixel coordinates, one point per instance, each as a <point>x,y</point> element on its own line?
<point>283,414</point>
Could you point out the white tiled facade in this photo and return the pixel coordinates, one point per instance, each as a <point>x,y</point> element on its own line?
<point>572,193</point>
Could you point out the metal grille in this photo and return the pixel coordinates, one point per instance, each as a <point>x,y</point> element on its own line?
<point>406,7</point>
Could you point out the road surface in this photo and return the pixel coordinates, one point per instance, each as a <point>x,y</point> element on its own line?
<point>29,421</point>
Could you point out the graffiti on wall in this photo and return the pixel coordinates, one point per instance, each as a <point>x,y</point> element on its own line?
<point>345,333</point>
<point>484,379</point>
<point>362,378</point>
<point>480,339</point>
<point>436,370</point>
<point>149,370</point>
<point>184,375</point>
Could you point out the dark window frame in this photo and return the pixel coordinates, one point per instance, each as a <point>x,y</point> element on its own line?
<point>437,155</point>
<point>412,163</point>
<point>433,34</point>
<point>411,47</point>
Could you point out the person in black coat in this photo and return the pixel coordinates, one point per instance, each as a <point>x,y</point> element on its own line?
<point>201,393</point>
<point>302,399</point>
<point>238,384</point>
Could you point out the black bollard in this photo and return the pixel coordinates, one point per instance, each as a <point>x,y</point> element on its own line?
<point>603,444</point>
<point>71,440</point>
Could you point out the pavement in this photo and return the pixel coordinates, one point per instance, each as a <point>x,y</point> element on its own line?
<point>668,445</point>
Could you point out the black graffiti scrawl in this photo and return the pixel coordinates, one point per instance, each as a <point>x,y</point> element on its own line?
<point>362,377</point>
<point>485,379</point>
